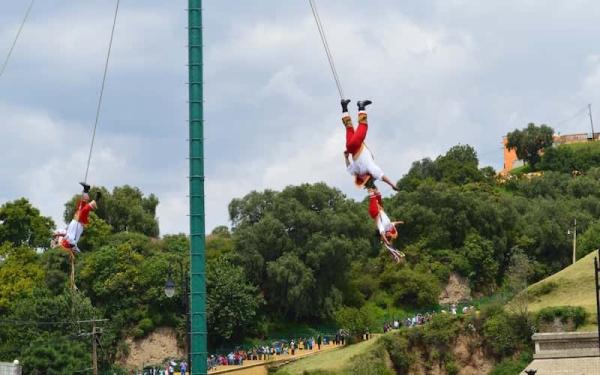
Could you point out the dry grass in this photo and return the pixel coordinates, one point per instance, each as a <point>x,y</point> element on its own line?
<point>574,287</point>
<point>330,360</point>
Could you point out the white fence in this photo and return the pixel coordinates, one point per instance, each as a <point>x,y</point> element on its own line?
<point>7,368</point>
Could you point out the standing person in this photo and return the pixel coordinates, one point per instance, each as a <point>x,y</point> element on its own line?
<point>68,238</point>
<point>362,164</point>
<point>319,341</point>
<point>293,346</point>
<point>183,367</point>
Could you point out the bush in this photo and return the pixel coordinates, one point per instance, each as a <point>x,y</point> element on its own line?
<point>499,334</point>
<point>370,363</point>
<point>575,314</point>
<point>397,346</point>
<point>512,366</point>
<point>442,331</point>
<point>452,368</point>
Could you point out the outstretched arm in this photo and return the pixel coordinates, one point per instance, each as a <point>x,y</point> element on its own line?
<point>387,180</point>
<point>395,223</point>
<point>346,154</point>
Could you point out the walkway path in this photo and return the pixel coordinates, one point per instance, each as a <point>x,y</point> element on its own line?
<point>277,359</point>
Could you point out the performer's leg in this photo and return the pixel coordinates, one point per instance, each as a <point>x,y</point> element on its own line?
<point>374,198</point>
<point>72,232</point>
<point>78,233</point>
<point>355,141</point>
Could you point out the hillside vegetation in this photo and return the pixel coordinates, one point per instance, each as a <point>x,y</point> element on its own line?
<point>573,286</point>
<point>307,254</point>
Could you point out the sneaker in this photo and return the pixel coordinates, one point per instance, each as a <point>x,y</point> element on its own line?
<point>86,187</point>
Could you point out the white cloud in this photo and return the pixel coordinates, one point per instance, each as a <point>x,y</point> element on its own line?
<point>439,73</point>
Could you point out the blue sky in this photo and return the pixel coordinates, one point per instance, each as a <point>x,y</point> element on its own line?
<point>439,72</point>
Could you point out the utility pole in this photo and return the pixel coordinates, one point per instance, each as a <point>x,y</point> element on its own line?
<point>591,120</point>
<point>96,331</point>
<point>94,349</point>
<point>574,240</point>
<point>597,288</point>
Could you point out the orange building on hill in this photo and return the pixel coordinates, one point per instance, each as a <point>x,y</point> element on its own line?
<point>511,161</point>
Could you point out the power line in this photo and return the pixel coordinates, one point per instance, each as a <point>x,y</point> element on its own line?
<point>12,47</point>
<point>35,322</point>
<point>581,111</point>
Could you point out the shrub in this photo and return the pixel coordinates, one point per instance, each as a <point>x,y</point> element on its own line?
<point>452,368</point>
<point>397,346</point>
<point>441,331</point>
<point>146,325</point>
<point>576,314</point>
<point>512,366</point>
<point>499,334</point>
<point>370,363</point>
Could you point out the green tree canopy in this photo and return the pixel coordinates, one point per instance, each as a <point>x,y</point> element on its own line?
<point>459,165</point>
<point>530,141</point>
<point>20,273</point>
<point>125,209</point>
<point>297,245</point>
<point>232,303</point>
<point>22,224</point>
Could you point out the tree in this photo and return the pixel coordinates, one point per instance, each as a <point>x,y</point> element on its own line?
<point>589,241</point>
<point>51,347</point>
<point>20,273</point>
<point>356,321</point>
<point>125,209</point>
<point>297,246</point>
<point>232,303</point>
<point>517,276</point>
<point>291,283</point>
<point>22,224</point>
<point>530,141</point>
<point>459,165</point>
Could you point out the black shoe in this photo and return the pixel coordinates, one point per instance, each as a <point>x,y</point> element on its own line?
<point>344,103</point>
<point>86,187</point>
<point>362,104</point>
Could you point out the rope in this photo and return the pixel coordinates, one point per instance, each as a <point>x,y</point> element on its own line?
<point>112,33</point>
<point>16,38</point>
<point>313,6</point>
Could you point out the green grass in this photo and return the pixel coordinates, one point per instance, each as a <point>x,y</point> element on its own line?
<point>520,170</point>
<point>334,359</point>
<point>573,286</point>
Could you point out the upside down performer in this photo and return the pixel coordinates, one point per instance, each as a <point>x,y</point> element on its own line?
<point>69,237</point>
<point>362,165</point>
<point>386,228</point>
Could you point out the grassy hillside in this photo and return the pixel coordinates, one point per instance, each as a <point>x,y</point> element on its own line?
<point>330,360</point>
<point>573,286</point>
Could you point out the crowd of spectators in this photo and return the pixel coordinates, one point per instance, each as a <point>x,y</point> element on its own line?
<point>420,319</point>
<point>280,347</point>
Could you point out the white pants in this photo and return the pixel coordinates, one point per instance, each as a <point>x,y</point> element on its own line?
<point>384,223</point>
<point>365,164</point>
<point>74,232</point>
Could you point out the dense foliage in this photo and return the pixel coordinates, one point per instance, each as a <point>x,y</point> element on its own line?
<point>305,254</point>
<point>530,141</point>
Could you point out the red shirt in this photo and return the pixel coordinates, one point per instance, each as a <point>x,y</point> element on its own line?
<point>83,212</point>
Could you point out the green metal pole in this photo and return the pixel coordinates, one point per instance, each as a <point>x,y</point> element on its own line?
<point>198,349</point>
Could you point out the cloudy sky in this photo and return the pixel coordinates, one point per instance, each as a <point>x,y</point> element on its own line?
<point>439,72</point>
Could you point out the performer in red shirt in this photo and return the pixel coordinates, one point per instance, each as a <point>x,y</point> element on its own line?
<point>362,165</point>
<point>69,238</point>
<point>386,228</point>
